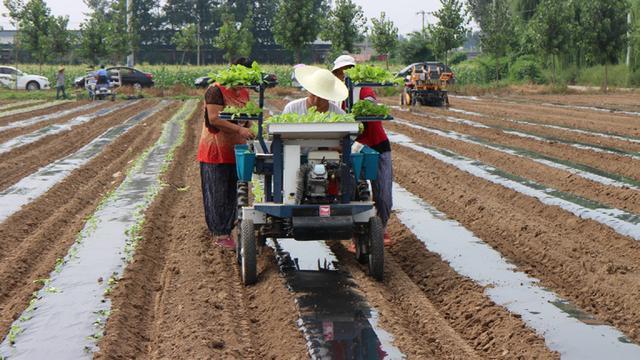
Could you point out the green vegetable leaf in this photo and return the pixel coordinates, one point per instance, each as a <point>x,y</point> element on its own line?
<point>238,75</point>
<point>369,108</point>
<point>312,116</point>
<point>250,109</point>
<point>363,73</point>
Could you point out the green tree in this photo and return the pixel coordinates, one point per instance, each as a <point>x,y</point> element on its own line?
<point>60,39</point>
<point>235,38</point>
<point>415,48</point>
<point>478,9</point>
<point>384,36</point>
<point>33,19</point>
<point>145,23</point>
<point>297,24</point>
<point>450,31</point>
<point>186,40</point>
<point>527,8</point>
<point>604,30</point>
<point>497,32</point>
<point>93,47</point>
<point>552,29</point>
<point>344,26</point>
<point>205,14</point>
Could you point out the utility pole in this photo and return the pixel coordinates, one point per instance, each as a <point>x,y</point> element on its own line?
<point>629,39</point>
<point>128,19</point>
<point>423,13</point>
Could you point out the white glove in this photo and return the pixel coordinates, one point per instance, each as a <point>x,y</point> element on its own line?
<point>356,147</point>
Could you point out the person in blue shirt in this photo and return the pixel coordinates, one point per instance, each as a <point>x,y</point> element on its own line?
<point>102,75</point>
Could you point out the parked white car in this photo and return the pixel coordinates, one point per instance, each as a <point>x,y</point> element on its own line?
<point>25,81</point>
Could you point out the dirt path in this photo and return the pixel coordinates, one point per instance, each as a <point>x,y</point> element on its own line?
<point>610,163</point>
<point>32,239</point>
<point>582,260</point>
<point>11,133</point>
<point>24,160</point>
<point>192,304</point>
<point>621,198</point>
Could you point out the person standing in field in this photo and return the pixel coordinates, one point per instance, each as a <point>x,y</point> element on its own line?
<point>60,84</point>
<point>216,154</point>
<point>375,137</point>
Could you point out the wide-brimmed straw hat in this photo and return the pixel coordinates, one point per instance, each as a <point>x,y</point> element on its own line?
<point>321,83</point>
<point>61,68</point>
<point>343,61</point>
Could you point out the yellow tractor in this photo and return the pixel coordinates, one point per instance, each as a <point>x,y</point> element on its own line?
<point>426,84</point>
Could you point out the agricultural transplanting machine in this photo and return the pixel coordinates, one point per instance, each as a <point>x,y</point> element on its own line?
<point>426,84</point>
<point>315,188</point>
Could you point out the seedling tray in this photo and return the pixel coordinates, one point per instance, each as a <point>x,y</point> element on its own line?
<point>373,118</point>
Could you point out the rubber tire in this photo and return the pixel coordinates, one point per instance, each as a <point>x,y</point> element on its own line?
<point>33,85</point>
<point>239,245</point>
<point>376,248</point>
<point>137,87</point>
<point>248,266</point>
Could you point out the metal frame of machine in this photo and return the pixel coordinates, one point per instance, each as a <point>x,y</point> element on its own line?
<point>312,191</point>
<point>422,88</point>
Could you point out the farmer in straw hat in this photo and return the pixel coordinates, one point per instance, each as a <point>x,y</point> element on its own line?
<point>324,89</point>
<point>60,83</point>
<point>376,138</point>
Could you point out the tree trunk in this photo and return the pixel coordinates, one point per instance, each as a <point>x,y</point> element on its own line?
<point>606,77</point>
<point>387,61</point>
<point>555,73</point>
<point>298,56</point>
<point>182,61</point>
<point>497,69</point>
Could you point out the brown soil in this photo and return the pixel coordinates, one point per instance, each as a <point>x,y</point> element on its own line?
<point>9,119</point>
<point>435,313</point>
<point>622,198</point>
<point>32,239</point>
<point>624,101</point>
<point>582,119</point>
<point>191,304</point>
<point>584,261</point>
<point>11,133</point>
<point>615,164</point>
<point>538,130</point>
<point>24,160</point>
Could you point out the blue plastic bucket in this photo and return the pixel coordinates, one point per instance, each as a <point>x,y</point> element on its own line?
<point>371,160</point>
<point>245,161</point>
<point>356,162</point>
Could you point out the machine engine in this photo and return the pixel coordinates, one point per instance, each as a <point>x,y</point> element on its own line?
<point>319,179</point>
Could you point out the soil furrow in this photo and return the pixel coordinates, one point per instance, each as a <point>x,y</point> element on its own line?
<point>24,160</point>
<point>11,133</point>
<point>191,303</point>
<point>577,135</point>
<point>621,198</point>
<point>582,260</point>
<point>622,102</point>
<point>4,120</point>
<point>610,163</point>
<point>32,239</point>
<point>578,118</point>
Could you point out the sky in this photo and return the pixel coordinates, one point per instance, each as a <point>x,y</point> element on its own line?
<point>402,12</point>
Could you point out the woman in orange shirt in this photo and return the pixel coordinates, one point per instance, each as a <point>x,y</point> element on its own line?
<point>217,158</point>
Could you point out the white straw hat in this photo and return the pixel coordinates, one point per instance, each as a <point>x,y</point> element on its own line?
<point>342,61</point>
<point>321,83</point>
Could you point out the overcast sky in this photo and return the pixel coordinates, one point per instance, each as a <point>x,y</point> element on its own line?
<point>402,12</point>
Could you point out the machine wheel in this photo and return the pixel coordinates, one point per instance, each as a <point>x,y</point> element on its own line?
<point>412,100</point>
<point>376,248</point>
<point>248,252</point>
<point>239,244</point>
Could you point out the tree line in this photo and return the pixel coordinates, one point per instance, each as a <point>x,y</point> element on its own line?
<point>556,33</point>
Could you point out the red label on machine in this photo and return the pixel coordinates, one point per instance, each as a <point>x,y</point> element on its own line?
<point>325,211</point>
<point>327,330</point>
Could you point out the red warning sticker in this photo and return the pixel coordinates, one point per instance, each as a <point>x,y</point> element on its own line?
<point>325,210</point>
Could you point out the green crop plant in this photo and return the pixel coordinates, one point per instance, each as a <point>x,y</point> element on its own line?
<point>363,73</point>
<point>250,109</point>
<point>238,75</point>
<point>369,108</point>
<point>312,116</point>
<point>13,333</point>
